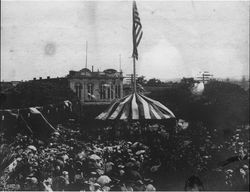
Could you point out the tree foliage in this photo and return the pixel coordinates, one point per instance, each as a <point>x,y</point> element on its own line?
<point>141,80</point>
<point>36,93</point>
<point>222,104</point>
<point>229,103</point>
<point>154,82</point>
<point>151,82</point>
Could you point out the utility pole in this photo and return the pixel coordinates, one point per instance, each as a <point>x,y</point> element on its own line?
<point>205,77</point>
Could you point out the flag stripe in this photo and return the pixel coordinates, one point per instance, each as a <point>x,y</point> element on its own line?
<point>138,32</point>
<point>139,39</point>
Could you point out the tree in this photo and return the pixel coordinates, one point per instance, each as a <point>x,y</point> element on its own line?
<point>223,104</point>
<point>36,93</point>
<point>154,82</point>
<point>141,80</point>
<point>187,82</point>
<point>229,103</point>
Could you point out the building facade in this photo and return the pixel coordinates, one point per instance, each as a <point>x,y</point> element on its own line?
<point>93,87</point>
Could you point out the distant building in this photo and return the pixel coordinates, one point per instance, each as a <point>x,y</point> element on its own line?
<point>93,87</point>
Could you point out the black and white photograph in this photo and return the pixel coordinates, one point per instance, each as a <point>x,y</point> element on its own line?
<point>125,95</point>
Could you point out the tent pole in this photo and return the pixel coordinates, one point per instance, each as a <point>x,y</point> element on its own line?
<point>134,79</point>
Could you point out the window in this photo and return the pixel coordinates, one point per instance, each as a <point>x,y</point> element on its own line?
<point>108,90</point>
<point>102,91</point>
<point>112,91</point>
<point>90,91</point>
<point>117,91</point>
<point>78,88</point>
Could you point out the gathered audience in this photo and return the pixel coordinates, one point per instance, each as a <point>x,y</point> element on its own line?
<point>132,160</point>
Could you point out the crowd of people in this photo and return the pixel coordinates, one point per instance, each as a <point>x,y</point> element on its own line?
<point>66,162</point>
<point>125,159</point>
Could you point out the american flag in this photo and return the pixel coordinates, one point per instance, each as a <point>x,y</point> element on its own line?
<point>137,30</point>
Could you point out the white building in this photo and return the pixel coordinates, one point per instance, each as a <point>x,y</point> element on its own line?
<point>93,87</point>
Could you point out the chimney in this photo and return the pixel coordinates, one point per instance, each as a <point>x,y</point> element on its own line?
<point>92,68</point>
<point>48,77</point>
<point>40,78</point>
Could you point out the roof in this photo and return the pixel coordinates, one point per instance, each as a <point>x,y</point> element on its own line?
<point>136,107</point>
<point>86,73</point>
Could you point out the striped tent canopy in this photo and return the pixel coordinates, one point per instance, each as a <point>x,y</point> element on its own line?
<point>136,107</point>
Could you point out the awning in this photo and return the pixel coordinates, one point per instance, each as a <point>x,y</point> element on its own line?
<point>136,107</point>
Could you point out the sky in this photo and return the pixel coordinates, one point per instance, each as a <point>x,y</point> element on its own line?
<point>180,38</point>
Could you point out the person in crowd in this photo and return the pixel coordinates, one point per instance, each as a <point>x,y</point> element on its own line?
<point>67,162</point>
<point>193,183</point>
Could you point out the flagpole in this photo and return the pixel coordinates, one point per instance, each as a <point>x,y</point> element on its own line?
<point>134,69</point>
<point>86,55</point>
<point>134,44</point>
<point>137,35</point>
